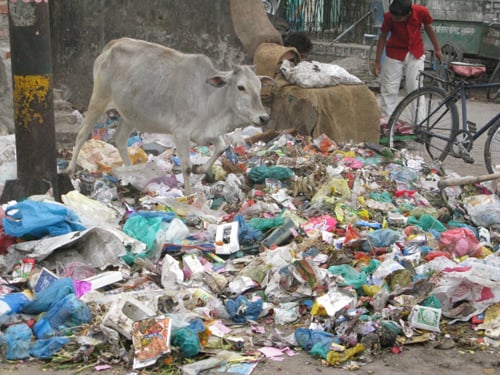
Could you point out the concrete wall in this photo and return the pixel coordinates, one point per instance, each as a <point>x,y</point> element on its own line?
<point>463,10</point>
<point>80,29</point>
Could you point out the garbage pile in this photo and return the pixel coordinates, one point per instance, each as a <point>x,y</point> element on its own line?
<point>291,244</point>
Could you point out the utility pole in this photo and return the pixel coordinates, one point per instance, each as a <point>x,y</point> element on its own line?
<point>36,154</point>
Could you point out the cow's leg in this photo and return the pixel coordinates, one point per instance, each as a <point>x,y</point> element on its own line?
<point>97,107</point>
<point>121,135</point>
<point>219,147</point>
<point>182,143</point>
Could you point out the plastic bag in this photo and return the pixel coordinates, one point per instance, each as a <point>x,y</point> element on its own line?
<point>427,223</point>
<point>460,242</point>
<point>187,339</point>
<point>143,229</point>
<point>241,310</point>
<point>258,175</point>
<point>381,238</point>
<point>18,339</point>
<point>307,338</point>
<point>45,349</point>
<point>49,296</point>
<point>65,314</point>
<point>38,219</point>
<point>483,209</point>
<point>349,274</point>
<point>13,303</point>
<point>91,211</point>
<point>316,74</point>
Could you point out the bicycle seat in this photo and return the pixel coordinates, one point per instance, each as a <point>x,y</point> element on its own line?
<point>467,70</point>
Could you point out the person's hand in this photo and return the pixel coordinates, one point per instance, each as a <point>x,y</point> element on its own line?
<point>378,68</point>
<point>439,54</point>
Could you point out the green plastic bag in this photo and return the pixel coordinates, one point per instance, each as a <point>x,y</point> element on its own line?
<point>258,175</point>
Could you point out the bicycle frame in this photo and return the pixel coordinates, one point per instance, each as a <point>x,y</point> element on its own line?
<point>460,92</point>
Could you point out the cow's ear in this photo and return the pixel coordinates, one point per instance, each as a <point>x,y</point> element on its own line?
<point>216,81</point>
<point>266,81</point>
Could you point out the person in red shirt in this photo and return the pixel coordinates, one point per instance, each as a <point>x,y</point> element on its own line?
<point>404,47</point>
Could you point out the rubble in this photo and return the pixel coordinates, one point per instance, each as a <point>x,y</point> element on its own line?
<point>293,244</point>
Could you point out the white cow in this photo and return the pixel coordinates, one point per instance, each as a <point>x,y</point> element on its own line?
<point>159,90</point>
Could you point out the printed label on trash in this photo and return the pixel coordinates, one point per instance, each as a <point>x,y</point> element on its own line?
<point>425,318</point>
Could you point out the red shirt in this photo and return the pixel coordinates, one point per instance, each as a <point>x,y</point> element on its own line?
<point>406,35</point>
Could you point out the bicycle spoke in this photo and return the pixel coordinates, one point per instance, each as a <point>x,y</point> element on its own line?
<point>424,124</point>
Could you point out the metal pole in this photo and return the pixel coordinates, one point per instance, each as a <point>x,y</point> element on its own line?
<point>351,27</point>
<point>29,31</point>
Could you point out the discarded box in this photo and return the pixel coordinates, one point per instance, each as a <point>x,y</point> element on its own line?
<point>103,279</point>
<point>124,312</point>
<point>192,265</point>
<point>226,238</point>
<point>45,278</point>
<point>425,317</point>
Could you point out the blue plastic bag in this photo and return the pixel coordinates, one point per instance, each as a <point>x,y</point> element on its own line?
<point>38,219</point>
<point>307,338</point>
<point>49,296</point>
<point>241,310</point>
<point>187,340</point>
<point>18,340</point>
<point>46,348</point>
<point>65,314</point>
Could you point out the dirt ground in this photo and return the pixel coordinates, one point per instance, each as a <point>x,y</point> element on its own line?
<point>457,350</point>
<point>414,359</point>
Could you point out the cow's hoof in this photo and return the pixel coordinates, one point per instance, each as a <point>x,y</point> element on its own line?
<point>197,169</point>
<point>209,177</point>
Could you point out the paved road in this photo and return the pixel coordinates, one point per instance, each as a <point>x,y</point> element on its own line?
<point>479,111</point>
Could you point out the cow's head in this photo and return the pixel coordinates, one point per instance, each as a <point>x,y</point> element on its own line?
<point>243,88</point>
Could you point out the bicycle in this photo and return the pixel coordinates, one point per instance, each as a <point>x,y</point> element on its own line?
<point>427,120</point>
<point>494,92</point>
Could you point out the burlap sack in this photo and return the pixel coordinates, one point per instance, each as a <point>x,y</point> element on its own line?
<point>346,113</point>
<point>251,25</point>
<point>267,60</point>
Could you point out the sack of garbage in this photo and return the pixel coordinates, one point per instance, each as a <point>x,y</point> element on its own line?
<point>18,339</point>
<point>67,313</point>
<point>308,74</point>
<point>38,219</point>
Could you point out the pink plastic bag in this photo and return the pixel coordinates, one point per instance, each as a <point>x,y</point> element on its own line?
<point>460,242</point>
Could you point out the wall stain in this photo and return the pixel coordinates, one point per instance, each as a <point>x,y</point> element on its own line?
<point>30,99</point>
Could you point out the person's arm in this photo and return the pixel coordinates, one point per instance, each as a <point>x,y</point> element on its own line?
<point>380,50</point>
<point>429,30</point>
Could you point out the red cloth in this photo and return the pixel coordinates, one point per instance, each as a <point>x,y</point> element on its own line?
<point>406,35</point>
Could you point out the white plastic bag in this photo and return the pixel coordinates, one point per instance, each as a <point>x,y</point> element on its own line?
<point>315,74</point>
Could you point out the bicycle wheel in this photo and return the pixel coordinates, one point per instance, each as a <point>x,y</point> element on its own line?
<point>492,148</point>
<point>423,124</point>
<point>493,92</point>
